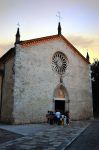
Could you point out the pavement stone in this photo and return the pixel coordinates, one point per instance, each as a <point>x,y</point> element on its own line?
<point>43,136</point>
<point>5,136</point>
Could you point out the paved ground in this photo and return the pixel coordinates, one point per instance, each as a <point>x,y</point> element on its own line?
<point>40,136</point>
<point>5,136</point>
<point>89,140</point>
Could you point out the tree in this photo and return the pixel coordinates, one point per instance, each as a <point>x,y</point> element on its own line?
<point>95,85</point>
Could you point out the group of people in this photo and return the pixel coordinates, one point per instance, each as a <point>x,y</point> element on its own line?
<point>58,117</point>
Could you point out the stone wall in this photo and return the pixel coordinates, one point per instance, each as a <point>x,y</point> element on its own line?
<point>7,91</point>
<point>35,82</point>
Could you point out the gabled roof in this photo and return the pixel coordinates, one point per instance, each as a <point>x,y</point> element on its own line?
<point>7,55</point>
<point>48,38</point>
<point>37,41</point>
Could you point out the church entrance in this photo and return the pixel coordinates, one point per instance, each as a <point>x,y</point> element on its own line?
<point>60,106</point>
<point>61,99</point>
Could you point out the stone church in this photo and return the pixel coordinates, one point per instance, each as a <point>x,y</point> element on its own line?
<point>41,75</point>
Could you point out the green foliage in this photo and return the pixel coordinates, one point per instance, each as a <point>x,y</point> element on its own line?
<point>95,84</point>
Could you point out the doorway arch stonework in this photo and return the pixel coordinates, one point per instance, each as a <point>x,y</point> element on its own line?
<point>61,98</point>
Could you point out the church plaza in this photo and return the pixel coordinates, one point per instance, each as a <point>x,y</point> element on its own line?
<point>40,136</point>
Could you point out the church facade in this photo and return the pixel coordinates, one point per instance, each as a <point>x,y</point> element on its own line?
<point>41,75</point>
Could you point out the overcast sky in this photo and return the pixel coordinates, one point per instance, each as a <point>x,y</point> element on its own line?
<point>37,18</point>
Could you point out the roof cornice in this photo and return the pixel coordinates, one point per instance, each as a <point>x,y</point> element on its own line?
<point>37,41</point>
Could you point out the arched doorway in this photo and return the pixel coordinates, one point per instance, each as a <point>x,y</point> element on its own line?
<point>61,98</point>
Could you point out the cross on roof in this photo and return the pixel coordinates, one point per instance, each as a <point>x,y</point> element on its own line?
<point>59,16</point>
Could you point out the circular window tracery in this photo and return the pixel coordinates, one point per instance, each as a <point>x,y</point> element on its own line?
<point>59,63</point>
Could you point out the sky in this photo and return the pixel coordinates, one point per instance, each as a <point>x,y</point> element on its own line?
<point>37,18</point>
